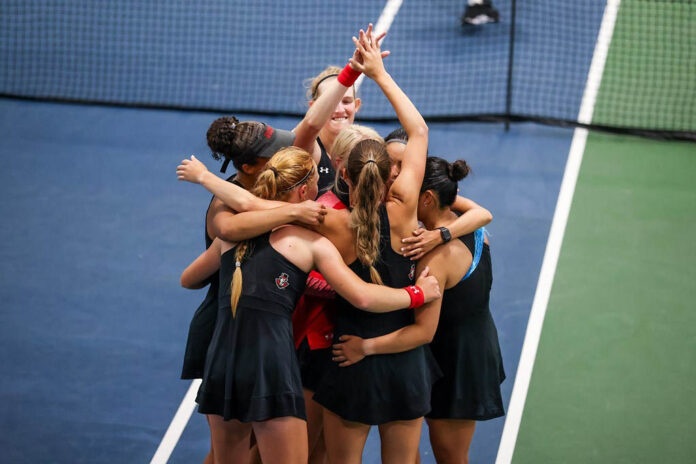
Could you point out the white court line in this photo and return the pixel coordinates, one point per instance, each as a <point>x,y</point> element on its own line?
<point>383,24</point>
<point>177,426</point>
<point>553,246</point>
<point>188,404</point>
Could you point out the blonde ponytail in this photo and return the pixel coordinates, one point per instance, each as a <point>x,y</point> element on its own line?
<point>286,170</point>
<point>368,167</point>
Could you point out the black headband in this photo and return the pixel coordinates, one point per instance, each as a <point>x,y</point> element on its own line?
<point>300,182</point>
<point>316,87</point>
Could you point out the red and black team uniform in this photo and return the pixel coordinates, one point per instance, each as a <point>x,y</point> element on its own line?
<point>314,318</point>
<point>251,371</point>
<point>466,347</point>
<point>327,175</point>
<point>385,387</point>
<point>203,320</point>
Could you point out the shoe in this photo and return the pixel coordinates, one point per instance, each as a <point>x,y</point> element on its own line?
<point>478,14</point>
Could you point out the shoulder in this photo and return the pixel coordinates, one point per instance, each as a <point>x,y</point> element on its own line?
<point>450,260</point>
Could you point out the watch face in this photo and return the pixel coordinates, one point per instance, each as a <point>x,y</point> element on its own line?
<point>446,236</point>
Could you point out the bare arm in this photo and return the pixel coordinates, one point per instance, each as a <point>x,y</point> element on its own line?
<point>362,295</point>
<point>472,217</point>
<point>205,265</point>
<point>242,226</point>
<point>405,188</point>
<point>317,116</point>
<point>232,195</point>
<point>352,349</point>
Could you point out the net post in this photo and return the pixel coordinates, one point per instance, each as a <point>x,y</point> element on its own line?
<point>511,55</point>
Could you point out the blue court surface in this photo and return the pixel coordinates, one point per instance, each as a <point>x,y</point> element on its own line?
<point>96,230</point>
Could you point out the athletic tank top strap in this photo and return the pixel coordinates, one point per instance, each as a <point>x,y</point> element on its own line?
<point>479,240</point>
<point>270,282</point>
<point>326,170</point>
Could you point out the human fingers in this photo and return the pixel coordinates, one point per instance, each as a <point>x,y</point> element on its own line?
<point>413,253</point>
<point>346,364</point>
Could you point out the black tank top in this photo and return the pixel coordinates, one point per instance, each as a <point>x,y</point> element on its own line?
<point>269,281</point>
<point>327,175</point>
<point>396,271</point>
<point>471,296</point>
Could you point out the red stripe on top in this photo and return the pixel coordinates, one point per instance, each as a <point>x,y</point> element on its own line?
<point>313,317</point>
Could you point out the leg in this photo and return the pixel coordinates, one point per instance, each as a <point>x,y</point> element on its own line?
<point>282,440</point>
<point>400,440</point>
<point>314,422</point>
<point>344,440</point>
<point>210,458</point>
<point>451,439</point>
<point>318,454</point>
<point>230,440</point>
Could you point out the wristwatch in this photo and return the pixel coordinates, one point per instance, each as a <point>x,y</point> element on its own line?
<point>445,234</point>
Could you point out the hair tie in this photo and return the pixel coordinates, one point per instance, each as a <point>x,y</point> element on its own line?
<point>237,264</point>
<point>370,161</point>
<point>274,170</point>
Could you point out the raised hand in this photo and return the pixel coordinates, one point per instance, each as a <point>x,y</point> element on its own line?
<point>429,285</point>
<point>358,57</point>
<point>191,170</point>
<point>369,61</point>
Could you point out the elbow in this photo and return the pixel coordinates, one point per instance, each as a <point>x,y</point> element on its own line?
<point>187,282</point>
<point>362,302</point>
<point>227,233</point>
<point>486,216</point>
<point>313,124</point>
<point>421,130</point>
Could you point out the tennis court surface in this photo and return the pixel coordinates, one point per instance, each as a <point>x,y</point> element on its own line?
<point>592,238</point>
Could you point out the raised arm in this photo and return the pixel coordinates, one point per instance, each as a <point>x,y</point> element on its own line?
<point>352,349</point>
<point>362,295</point>
<point>323,107</point>
<point>472,217</point>
<point>406,187</point>
<point>205,265</point>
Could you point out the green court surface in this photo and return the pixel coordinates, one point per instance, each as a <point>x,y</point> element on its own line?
<point>614,378</point>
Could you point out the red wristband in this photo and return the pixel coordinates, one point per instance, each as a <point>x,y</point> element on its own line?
<point>348,76</point>
<point>416,294</point>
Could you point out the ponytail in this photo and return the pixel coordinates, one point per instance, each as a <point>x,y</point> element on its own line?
<point>285,171</point>
<point>368,167</point>
<point>365,217</point>
<point>237,281</point>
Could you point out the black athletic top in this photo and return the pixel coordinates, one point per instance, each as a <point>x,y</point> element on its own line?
<point>385,387</point>
<point>203,320</point>
<point>327,175</point>
<point>466,348</point>
<point>251,371</point>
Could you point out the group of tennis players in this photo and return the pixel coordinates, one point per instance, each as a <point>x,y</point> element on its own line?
<point>348,286</point>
